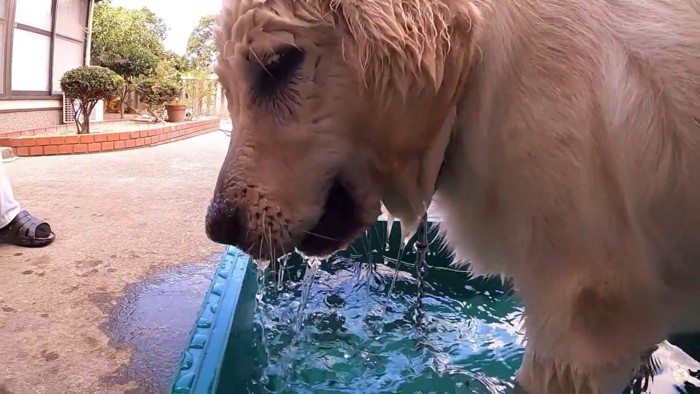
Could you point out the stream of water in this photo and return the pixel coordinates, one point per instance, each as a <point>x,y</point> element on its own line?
<point>333,327</point>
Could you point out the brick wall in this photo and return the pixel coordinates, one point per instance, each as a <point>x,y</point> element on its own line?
<point>33,143</point>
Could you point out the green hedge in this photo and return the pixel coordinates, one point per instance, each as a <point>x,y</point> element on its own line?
<point>157,91</point>
<point>91,83</point>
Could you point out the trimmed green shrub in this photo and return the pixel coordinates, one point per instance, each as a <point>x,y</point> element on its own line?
<point>155,93</point>
<point>88,85</point>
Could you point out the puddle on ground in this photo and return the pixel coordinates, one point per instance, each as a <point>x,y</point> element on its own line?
<point>154,319</point>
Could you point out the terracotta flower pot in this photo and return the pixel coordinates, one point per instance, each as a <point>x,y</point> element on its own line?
<point>176,112</point>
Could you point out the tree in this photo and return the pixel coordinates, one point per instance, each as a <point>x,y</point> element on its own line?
<point>164,86</point>
<point>87,85</point>
<point>201,46</point>
<point>155,93</point>
<point>177,63</point>
<point>200,91</point>
<point>129,42</point>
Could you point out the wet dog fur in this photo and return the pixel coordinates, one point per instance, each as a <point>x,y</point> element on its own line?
<point>559,140</point>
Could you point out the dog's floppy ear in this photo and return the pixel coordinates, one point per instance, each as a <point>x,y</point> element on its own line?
<point>414,56</point>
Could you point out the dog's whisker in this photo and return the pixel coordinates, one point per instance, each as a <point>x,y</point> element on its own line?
<point>273,255</point>
<point>355,251</point>
<point>321,236</point>
<point>261,63</point>
<point>250,248</point>
<point>261,246</point>
<point>265,240</point>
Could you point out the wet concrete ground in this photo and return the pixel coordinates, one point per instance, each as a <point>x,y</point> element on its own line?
<point>154,318</point>
<point>108,307</point>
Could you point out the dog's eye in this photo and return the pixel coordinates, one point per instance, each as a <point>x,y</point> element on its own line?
<point>278,70</point>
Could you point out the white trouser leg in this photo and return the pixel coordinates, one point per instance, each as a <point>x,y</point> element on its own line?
<point>9,207</point>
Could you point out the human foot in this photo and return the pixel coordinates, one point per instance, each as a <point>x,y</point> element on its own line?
<point>26,230</point>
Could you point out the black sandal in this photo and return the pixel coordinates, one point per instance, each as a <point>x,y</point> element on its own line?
<point>28,231</point>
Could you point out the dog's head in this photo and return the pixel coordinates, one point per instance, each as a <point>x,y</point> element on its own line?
<point>336,106</point>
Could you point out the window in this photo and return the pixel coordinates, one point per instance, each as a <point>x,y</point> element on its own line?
<point>34,13</point>
<point>3,25</point>
<point>67,55</point>
<point>31,47</point>
<point>43,39</point>
<point>71,16</point>
<point>30,61</point>
<point>69,40</point>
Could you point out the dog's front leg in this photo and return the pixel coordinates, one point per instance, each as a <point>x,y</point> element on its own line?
<point>587,323</point>
<point>549,374</point>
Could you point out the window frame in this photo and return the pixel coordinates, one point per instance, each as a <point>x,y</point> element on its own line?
<point>6,60</point>
<point>11,25</point>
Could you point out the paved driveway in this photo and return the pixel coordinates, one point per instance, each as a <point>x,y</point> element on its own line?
<point>126,223</point>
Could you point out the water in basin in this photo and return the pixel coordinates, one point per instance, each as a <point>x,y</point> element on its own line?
<point>352,339</point>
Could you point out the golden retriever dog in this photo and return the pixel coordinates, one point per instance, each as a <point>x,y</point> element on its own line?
<point>559,140</point>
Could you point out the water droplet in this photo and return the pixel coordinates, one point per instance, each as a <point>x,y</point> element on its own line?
<point>187,361</point>
<point>198,341</point>
<point>203,323</point>
<point>218,289</point>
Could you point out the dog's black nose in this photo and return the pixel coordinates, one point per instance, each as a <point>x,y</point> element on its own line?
<point>226,222</point>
